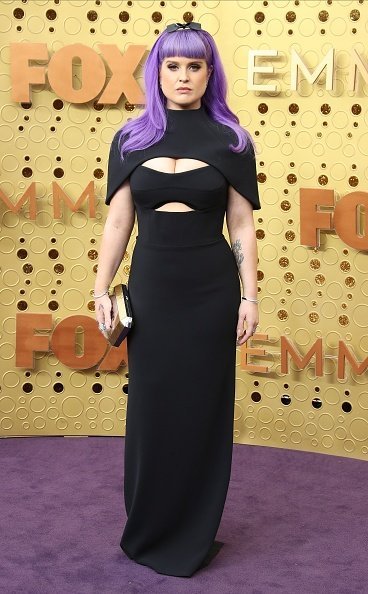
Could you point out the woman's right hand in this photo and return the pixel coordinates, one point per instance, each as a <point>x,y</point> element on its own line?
<point>103,310</point>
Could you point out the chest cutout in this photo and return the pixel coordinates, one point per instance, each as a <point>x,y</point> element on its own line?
<point>173,166</point>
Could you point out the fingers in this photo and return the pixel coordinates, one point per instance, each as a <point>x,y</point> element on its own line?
<point>241,340</point>
<point>103,314</point>
<point>243,335</point>
<point>107,315</point>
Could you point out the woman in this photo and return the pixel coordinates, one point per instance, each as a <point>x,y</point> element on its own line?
<point>174,166</point>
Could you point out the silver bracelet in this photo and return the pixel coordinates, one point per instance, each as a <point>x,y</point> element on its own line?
<point>102,294</point>
<point>252,300</point>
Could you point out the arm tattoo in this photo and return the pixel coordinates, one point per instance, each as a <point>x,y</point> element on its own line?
<point>237,249</point>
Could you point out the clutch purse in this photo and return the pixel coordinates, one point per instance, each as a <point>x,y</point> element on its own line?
<point>121,315</point>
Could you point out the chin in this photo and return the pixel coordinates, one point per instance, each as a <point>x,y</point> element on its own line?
<point>188,102</point>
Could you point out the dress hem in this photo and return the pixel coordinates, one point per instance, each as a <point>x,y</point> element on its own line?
<point>211,553</point>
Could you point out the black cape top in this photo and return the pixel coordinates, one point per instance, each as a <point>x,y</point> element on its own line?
<point>193,134</point>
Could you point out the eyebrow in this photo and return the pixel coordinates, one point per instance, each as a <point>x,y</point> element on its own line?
<point>192,62</point>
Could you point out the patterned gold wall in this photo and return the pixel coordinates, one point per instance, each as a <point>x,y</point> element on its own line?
<point>306,138</point>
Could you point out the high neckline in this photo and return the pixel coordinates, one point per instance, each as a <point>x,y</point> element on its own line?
<point>193,110</point>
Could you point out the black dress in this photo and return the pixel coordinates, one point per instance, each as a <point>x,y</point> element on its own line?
<point>185,293</point>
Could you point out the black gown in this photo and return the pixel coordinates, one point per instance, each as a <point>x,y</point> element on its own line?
<point>185,292</point>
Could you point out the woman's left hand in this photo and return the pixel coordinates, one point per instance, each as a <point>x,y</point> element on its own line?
<point>248,312</point>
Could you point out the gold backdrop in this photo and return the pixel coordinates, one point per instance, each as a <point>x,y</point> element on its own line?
<point>57,374</point>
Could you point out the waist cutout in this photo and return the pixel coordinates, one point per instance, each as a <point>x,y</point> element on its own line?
<point>180,229</point>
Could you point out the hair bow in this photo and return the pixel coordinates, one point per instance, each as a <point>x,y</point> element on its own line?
<point>176,26</point>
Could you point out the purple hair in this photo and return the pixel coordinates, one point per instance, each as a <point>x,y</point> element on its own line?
<point>149,127</point>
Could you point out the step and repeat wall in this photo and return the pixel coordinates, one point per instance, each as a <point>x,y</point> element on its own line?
<point>71,75</point>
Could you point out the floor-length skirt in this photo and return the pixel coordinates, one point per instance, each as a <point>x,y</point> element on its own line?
<point>179,427</point>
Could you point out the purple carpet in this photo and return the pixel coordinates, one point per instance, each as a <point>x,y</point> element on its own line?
<point>294,522</point>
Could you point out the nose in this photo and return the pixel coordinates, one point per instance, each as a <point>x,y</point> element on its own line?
<point>183,76</point>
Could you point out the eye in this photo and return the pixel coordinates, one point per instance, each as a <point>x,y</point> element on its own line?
<point>195,66</point>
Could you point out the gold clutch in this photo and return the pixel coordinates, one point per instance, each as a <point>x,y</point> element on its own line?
<point>121,315</point>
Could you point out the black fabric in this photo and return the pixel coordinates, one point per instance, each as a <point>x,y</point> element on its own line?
<point>185,294</point>
<point>191,134</point>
